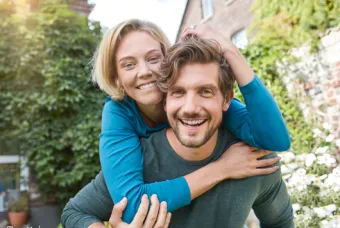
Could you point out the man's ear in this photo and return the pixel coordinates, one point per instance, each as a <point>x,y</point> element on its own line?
<point>227,100</point>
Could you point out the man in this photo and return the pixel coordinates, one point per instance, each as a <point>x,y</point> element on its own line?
<point>198,89</point>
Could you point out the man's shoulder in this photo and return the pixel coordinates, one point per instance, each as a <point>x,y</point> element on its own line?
<point>226,138</point>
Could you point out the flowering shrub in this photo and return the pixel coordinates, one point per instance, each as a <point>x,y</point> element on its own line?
<point>313,182</point>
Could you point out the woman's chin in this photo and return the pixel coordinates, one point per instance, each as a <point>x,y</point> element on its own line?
<point>150,100</point>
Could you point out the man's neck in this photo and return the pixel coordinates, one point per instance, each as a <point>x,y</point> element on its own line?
<point>192,154</point>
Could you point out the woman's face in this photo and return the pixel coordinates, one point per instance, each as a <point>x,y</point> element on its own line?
<point>137,56</point>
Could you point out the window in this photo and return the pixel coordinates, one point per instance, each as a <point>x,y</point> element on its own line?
<point>240,39</point>
<point>14,172</point>
<point>207,8</point>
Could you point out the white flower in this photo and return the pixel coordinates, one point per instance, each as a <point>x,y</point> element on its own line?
<point>330,208</point>
<point>326,126</point>
<point>285,169</point>
<point>287,176</point>
<point>292,166</point>
<point>310,160</point>
<point>301,171</point>
<point>317,132</point>
<point>337,142</point>
<point>287,157</point>
<point>321,150</point>
<point>320,212</point>
<point>336,171</point>
<point>307,210</point>
<point>330,138</point>
<point>296,207</point>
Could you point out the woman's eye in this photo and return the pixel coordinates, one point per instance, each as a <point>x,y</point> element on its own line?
<point>128,65</point>
<point>154,59</point>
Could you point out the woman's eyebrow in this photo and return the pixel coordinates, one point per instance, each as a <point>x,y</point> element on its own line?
<point>131,57</point>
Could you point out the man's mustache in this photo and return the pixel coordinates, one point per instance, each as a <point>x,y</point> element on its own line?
<point>191,116</point>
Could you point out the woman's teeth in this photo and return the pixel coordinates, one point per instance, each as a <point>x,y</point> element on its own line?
<point>147,86</point>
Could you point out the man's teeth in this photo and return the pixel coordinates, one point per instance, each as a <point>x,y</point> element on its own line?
<point>193,122</point>
<point>146,86</point>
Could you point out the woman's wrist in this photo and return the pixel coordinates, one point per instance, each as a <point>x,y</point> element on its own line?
<point>242,71</point>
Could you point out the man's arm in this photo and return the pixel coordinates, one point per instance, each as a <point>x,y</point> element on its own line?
<point>273,207</point>
<point>85,209</point>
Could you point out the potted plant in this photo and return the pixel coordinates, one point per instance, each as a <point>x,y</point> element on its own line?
<point>18,211</point>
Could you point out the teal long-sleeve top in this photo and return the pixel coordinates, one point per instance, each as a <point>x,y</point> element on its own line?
<point>259,124</point>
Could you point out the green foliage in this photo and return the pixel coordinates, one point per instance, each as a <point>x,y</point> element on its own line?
<point>280,25</point>
<point>290,23</point>
<point>50,110</point>
<point>21,205</point>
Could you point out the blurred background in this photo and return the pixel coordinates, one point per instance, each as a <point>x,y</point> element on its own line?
<point>50,112</point>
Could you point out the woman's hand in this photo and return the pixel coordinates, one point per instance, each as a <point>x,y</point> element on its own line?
<point>157,217</point>
<point>204,31</point>
<point>242,71</point>
<point>241,161</point>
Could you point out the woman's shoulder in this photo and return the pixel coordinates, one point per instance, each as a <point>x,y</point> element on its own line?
<point>126,106</point>
<point>120,114</point>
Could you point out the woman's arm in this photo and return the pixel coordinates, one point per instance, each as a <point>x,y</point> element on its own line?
<point>122,159</point>
<point>260,122</point>
<point>92,204</point>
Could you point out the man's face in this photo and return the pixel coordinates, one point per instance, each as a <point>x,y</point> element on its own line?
<point>195,104</point>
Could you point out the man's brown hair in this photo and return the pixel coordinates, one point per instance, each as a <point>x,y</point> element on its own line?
<point>195,50</point>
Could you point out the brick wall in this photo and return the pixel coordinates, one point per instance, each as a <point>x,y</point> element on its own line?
<point>81,6</point>
<point>228,17</point>
<point>315,82</point>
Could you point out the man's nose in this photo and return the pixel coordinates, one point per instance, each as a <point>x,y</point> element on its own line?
<point>191,104</point>
<point>144,70</point>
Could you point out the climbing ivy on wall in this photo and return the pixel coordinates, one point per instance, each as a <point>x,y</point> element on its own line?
<point>279,26</point>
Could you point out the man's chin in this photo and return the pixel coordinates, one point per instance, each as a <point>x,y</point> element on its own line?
<point>190,143</point>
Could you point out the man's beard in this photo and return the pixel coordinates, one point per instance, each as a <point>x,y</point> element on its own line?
<point>193,143</point>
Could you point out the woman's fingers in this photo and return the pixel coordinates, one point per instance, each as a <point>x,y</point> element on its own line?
<point>261,153</point>
<point>189,31</point>
<point>162,216</point>
<point>266,162</point>
<point>153,212</point>
<point>167,220</point>
<point>141,213</point>
<point>117,212</point>
<point>265,171</point>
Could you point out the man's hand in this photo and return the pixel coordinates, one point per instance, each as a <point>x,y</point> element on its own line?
<point>241,161</point>
<point>157,217</point>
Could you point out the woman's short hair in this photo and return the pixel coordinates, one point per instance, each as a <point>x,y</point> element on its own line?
<point>195,50</point>
<point>104,71</point>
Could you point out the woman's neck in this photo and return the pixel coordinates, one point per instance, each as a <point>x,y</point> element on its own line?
<point>153,114</point>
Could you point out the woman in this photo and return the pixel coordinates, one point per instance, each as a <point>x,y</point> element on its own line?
<point>123,67</point>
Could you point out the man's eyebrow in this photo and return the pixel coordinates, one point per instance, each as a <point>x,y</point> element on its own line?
<point>204,86</point>
<point>131,57</point>
<point>208,86</point>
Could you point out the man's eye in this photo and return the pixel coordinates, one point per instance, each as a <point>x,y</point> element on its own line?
<point>177,93</point>
<point>207,92</point>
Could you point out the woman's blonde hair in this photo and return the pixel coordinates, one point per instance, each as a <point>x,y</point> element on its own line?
<point>104,71</point>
